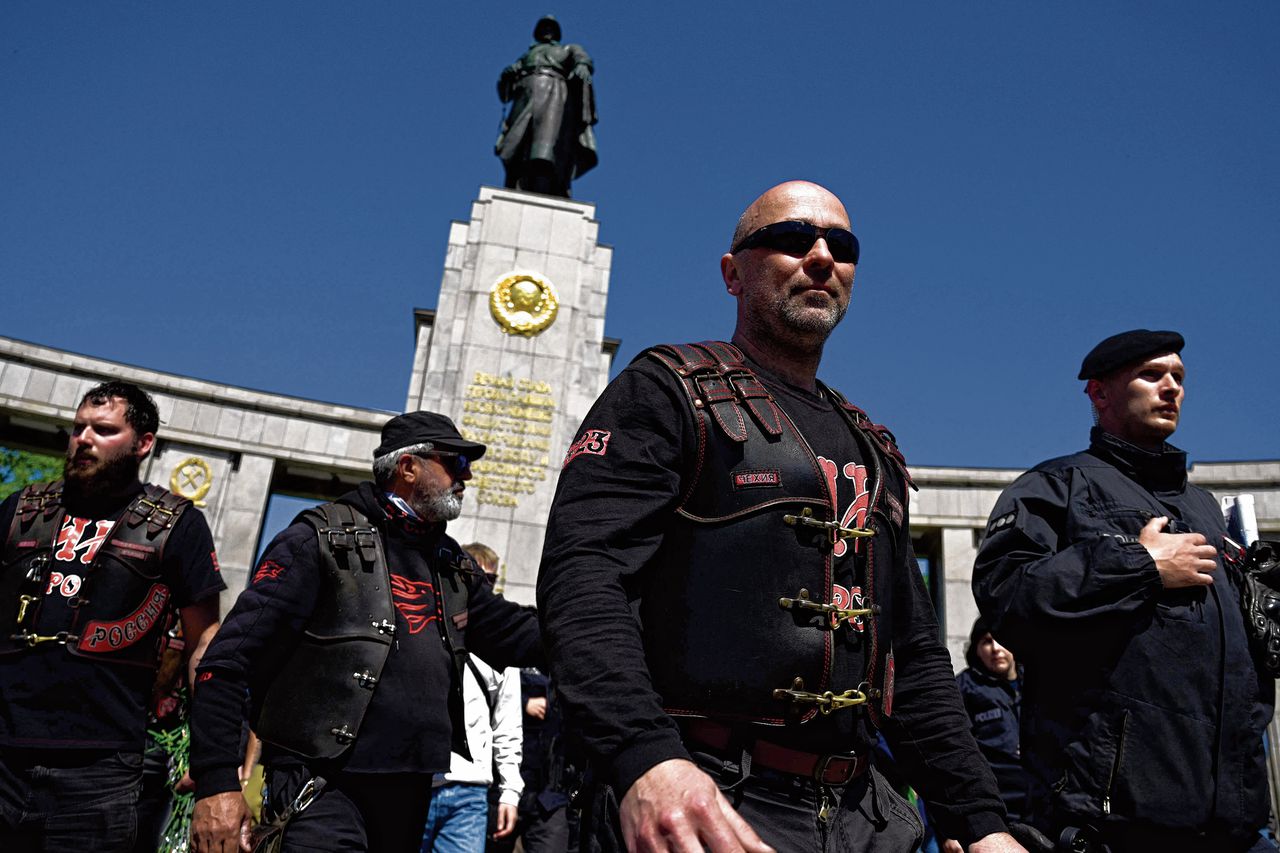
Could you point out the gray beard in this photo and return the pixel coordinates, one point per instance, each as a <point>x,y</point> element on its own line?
<point>441,506</point>
<point>802,318</point>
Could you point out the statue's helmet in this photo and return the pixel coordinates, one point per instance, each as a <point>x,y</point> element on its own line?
<point>547,26</point>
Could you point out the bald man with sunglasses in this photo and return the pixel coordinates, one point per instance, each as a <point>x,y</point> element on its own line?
<point>759,523</point>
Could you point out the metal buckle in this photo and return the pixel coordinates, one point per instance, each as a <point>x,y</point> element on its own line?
<point>339,538</point>
<point>824,764</point>
<point>837,531</point>
<point>32,640</point>
<point>828,701</point>
<point>838,614</point>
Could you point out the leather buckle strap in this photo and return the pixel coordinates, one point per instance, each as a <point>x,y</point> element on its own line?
<point>825,769</point>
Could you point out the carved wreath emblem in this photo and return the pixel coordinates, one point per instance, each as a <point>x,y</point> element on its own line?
<point>523,303</point>
<point>192,478</point>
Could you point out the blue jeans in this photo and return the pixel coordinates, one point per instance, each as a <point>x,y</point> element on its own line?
<point>68,800</point>
<point>457,820</point>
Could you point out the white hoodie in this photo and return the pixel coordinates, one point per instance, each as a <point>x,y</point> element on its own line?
<point>492,736</point>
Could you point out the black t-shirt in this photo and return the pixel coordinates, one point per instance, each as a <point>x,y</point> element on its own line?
<point>52,698</point>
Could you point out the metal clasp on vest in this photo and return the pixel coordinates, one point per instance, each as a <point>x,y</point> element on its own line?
<point>828,701</point>
<point>384,627</point>
<point>806,519</point>
<point>362,539</point>
<point>343,735</point>
<point>62,638</point>
<point>24,601</point>
<point>153,509</point>
<point>365,679</point>
<point>838,614</point>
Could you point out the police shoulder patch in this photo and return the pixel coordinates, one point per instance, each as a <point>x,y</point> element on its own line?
<point>1001,522</point>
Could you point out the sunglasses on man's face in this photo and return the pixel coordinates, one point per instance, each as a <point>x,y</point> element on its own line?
<point>797,238</point>
<point>455,463</point>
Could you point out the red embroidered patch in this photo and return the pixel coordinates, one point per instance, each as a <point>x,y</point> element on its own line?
<point>593,442</point>
<point>113,636</point>
<point>71,539</point>
<point>416,601</point>
<point>269,570</point>
<point>756,479</point>
<point>204,676</point>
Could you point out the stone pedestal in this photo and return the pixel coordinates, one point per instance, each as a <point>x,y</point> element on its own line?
<point>515,353</point>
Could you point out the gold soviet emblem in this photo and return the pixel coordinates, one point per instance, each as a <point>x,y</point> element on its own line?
<point>523,303</point>
<point>191,479</point>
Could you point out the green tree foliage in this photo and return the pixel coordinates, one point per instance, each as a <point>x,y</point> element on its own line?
<point>20,468</point>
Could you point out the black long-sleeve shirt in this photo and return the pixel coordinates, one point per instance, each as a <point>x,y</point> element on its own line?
<point>619,487</point>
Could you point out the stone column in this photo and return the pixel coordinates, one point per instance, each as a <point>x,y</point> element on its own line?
<point>515,353</point>
<point>231,490</point>
<point>958,555</point>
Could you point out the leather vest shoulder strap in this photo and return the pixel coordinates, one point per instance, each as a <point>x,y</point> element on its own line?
<point>718,381</point>
<point>149,520</point>
<point>37,517</point>
<point>879,434</point>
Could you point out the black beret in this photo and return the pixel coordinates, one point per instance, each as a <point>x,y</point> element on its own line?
<point>1126,348</point>
<point>418,427</point>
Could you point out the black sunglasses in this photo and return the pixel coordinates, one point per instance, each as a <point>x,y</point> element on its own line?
<point>797,238</point>
<point>456,463</point>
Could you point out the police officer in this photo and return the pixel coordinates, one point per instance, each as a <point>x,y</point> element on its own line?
<point>1143,712</point>
<point>352,644</point>
<point>761,523</point>
<point>94,567</point>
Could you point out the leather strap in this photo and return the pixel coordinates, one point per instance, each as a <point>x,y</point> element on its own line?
<point>828,769</point>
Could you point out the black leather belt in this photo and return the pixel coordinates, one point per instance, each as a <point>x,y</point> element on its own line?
<point>826,769</point>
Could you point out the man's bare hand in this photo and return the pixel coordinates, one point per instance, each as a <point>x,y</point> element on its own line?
<point>220,824</point>
<point>506,820</point>
<point>1183,559</point>
<point>536,707</point>
<point>996,842</point>
<point>674,806</point>
<point>952,846</point>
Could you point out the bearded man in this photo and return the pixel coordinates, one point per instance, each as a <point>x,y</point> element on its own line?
<point>351,643</point>
<point>94,568</point>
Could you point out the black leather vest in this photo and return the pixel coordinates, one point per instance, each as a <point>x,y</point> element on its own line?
<point>738,609</point>
<point>122,607</point>
<point>315,704</point>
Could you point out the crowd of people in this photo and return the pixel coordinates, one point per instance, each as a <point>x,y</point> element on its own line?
<point>731,644</point>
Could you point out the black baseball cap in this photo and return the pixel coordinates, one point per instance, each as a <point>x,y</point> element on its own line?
<point>418,427</point>
<point>1126,348</point>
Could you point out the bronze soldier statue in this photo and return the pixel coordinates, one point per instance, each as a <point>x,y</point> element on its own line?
<point>546,138</point>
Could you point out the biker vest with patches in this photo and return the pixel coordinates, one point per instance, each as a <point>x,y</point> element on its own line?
<point>739,611</point>
<point>315,704</point>
<point>120,612</point>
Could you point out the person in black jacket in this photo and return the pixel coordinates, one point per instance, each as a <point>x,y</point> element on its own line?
<point>350,643</point>
<point>1143,710</point>
<point>760,524</point>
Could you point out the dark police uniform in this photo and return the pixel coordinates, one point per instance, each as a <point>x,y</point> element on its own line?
<point>1144,712</point>
<point>87,591</point>
<point>378,755</point>
<point>714,494</point>
<point>994,704</point>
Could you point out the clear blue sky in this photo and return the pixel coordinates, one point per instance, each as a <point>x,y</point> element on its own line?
<point>228,190</point>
